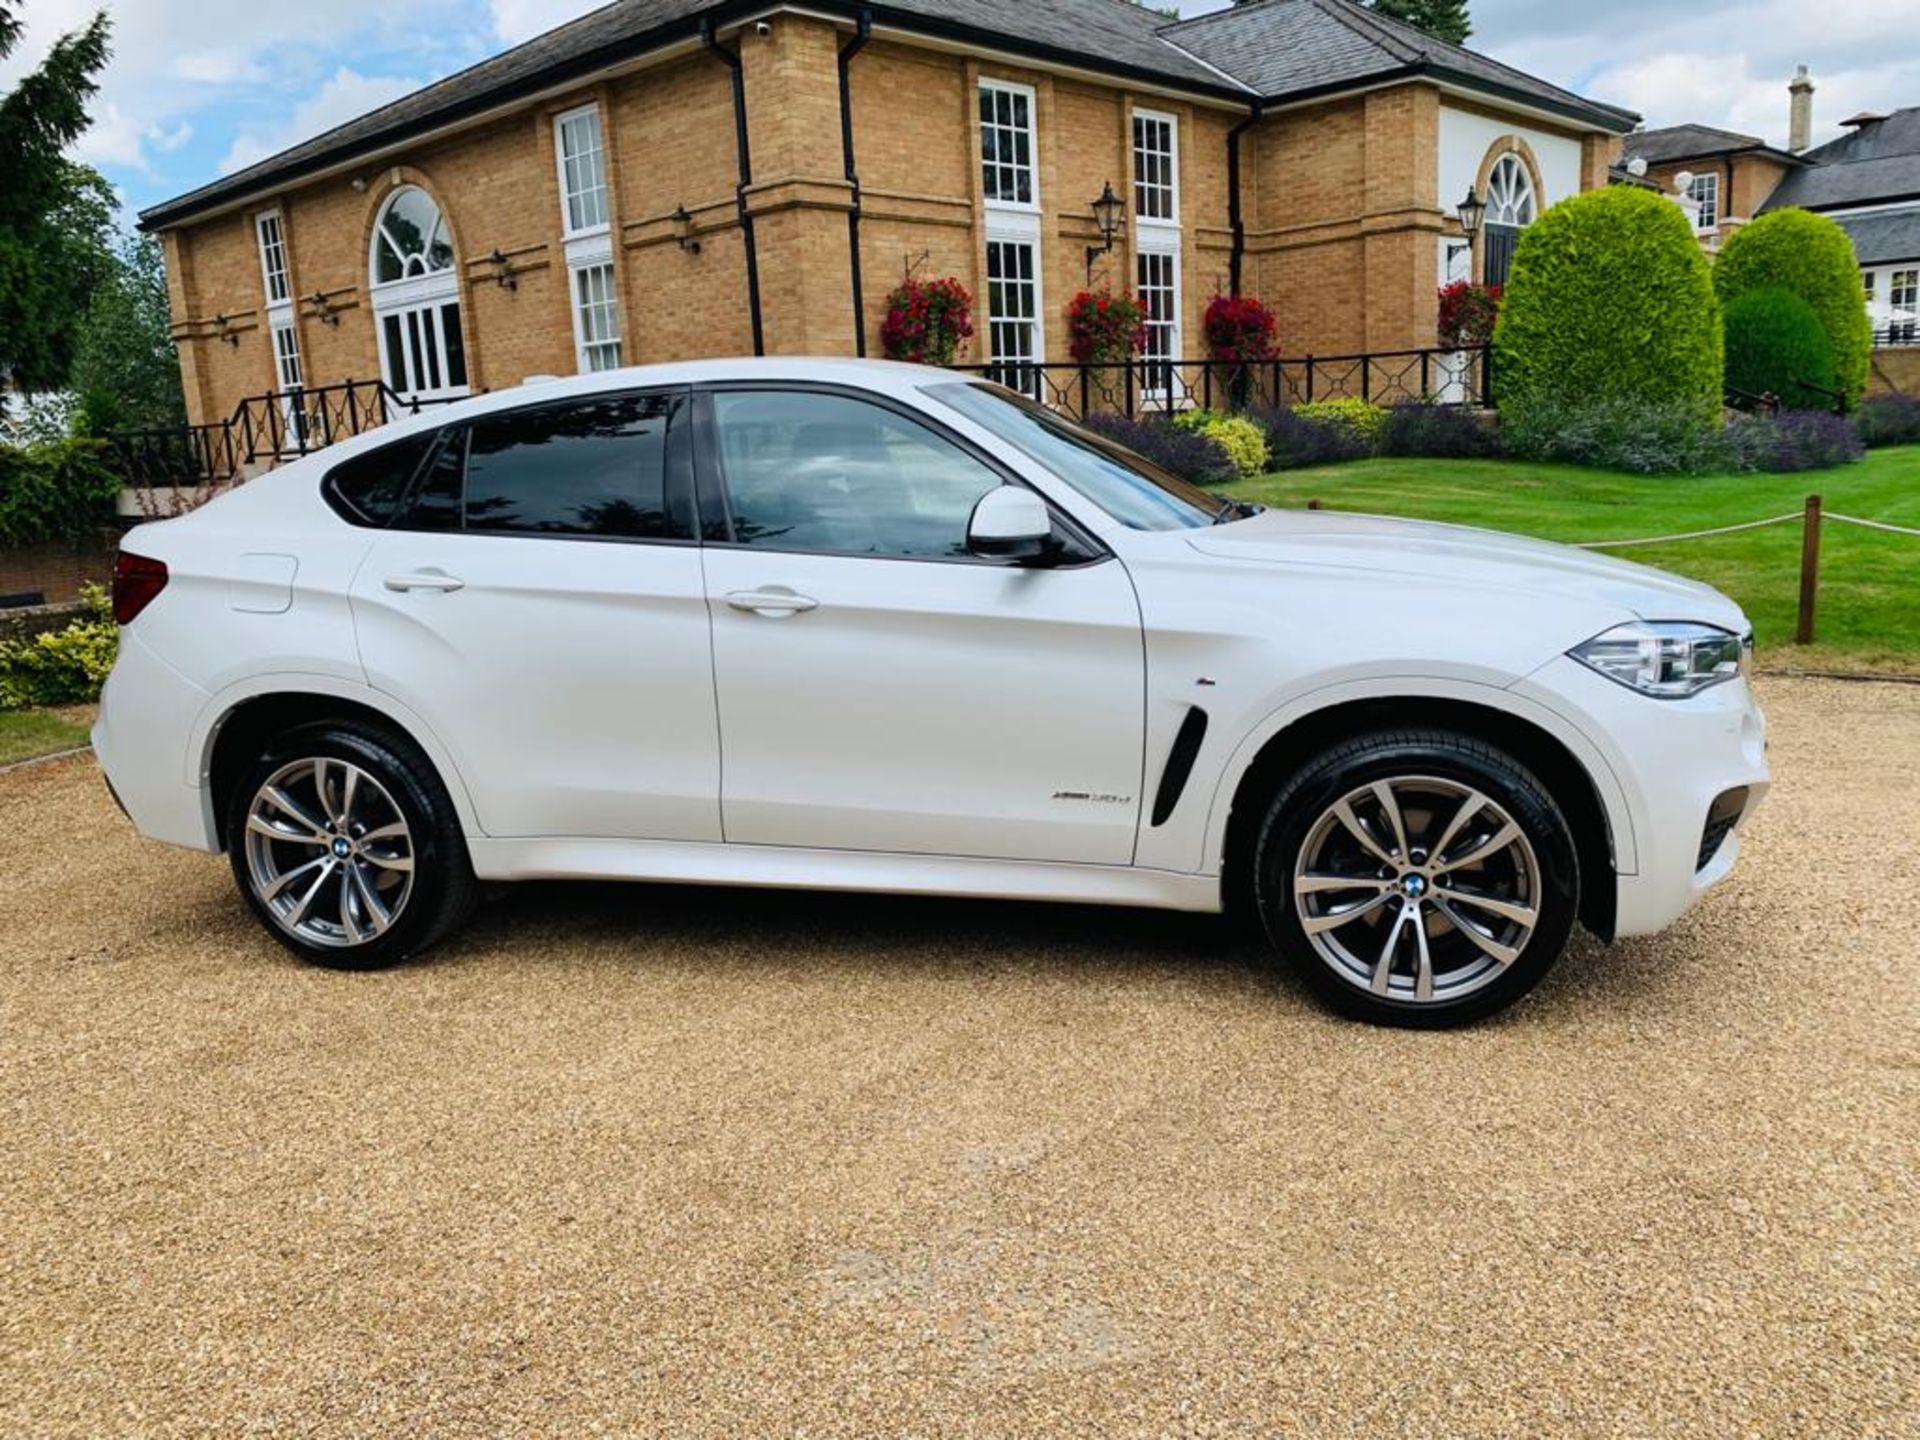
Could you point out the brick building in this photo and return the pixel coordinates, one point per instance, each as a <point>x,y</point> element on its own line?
<point>664,179</point>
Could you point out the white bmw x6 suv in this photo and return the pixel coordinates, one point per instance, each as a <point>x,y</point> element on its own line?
<point>856,626</point>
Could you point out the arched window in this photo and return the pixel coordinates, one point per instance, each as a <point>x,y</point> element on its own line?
<point>1511,206</point>
<point>416,298</point>
<point>411,238</point>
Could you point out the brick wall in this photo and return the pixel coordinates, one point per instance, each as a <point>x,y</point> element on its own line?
<point>55,571</point>
<point>1342,215</point>
<point>1895,371</point>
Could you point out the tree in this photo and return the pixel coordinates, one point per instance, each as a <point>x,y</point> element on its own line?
<point>1445,19</point>
<point>1610,302</point>
<point>1811,256</point>
<point>55,216</point>
<point>126,371</point>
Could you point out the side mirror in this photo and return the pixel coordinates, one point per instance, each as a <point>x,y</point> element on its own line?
<point>1010,524</point>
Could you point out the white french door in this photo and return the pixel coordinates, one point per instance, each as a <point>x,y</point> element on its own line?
<point>422,353</point>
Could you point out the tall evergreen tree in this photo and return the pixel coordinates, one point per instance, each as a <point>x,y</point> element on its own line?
<point>55,216</point>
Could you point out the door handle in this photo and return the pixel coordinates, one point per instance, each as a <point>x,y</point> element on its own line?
<point>425,580</point>
<point>772,602</point>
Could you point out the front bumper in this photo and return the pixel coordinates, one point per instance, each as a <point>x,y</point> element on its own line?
<point>1673,759</point>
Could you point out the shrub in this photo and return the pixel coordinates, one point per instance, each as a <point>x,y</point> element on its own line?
<point>1437,432</point>
<point>1776,346</point>
<point>1792,440</point>
<point>1172,447</point>
<point>1239,329</point>
<point>1105,328</point>
<point>1888,420</point>
<point>1363,419</point>
<point>1610,305</point>
<point>1295,441</point>
<point>1467,313</point>
<point>926,321</point>
<point>1645,436</point>
<point>1244,442</point>
<point>63,667</point>
<point>1811,256</point>
<point>60,490</point>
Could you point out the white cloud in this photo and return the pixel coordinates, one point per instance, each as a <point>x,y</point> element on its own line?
<point>347,95</point>
<point>517,20</point>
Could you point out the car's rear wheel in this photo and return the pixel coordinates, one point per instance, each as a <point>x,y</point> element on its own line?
<point>344,842</point>
<point>1418,878</point>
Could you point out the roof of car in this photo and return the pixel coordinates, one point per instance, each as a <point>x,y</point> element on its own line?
<point>1272,50</point>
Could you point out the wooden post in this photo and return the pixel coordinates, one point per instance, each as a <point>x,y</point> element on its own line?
<point>1809,570</point>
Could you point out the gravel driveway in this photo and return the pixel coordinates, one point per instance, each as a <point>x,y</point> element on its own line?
<point>644,1161</point>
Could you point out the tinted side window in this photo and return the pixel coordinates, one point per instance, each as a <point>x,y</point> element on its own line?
<point>436,500</point>
<point>822,472</point>
<point>588,467</point>
<point>368,489</point>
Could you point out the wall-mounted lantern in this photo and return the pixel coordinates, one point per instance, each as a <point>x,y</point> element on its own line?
<point>1471,211</point>
<point>322,308</point>
<point>503,271</point>
<point>1108,211</point>
<point>223,327</point>
<point>683,230</point>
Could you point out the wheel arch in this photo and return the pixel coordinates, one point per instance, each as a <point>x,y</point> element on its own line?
<point>236,722</point>
<point>1581,784</point>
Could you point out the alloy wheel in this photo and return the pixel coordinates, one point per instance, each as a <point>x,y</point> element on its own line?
<point>1417,889</point>
<point>330,856</point>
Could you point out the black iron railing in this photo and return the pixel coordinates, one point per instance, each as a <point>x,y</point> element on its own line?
<point>1149,387</point>
<point>263,431</point>
<point>1898,332</point>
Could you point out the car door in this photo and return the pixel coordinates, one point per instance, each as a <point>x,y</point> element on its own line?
<point>881,689</point>
<point>539,601</point>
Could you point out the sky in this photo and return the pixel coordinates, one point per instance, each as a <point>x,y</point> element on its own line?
<point>199,88</point>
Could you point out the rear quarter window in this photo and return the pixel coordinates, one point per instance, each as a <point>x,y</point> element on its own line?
<point>369,489</point>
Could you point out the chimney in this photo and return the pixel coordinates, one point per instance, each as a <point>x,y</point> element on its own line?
<point>1800,126</point>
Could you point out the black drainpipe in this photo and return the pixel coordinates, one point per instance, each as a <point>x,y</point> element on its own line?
<point>852,48</point>
<point>1235,215</point>
<point>731,60</point>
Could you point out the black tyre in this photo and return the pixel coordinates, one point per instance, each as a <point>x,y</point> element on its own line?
<point>344,842</point>
<point>1416,878</point>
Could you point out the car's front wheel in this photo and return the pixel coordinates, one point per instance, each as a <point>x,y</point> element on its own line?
<point>1419,878</point>
<point>346,845</point>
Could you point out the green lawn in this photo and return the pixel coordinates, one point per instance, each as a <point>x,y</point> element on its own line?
<point>26,734</point>
<point>1869,614</point>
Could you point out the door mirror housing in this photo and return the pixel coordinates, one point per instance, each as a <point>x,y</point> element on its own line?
<point>1010,523</point>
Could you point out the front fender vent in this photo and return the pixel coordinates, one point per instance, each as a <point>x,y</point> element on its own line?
<point>1173,779</point>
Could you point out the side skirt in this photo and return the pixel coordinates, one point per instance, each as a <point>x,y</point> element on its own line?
<point>777,867</point>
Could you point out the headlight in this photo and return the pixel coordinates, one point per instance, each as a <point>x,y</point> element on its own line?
<point>1667,659</point>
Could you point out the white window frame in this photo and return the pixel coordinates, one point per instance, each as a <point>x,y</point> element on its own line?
<point>1903,314</point>
<point>560,123</point>
<point>1704,192</point>
<point>1172,186</point>
<point>585,342</point>
<point>269,272</point>
<point>1153,247</point>
<point>1032,167</point>
<point>1003,233</point>
<point>415,302</point>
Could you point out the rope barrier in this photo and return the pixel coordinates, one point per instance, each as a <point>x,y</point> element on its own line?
<point>1875,525</point>
<point>1795,517</point>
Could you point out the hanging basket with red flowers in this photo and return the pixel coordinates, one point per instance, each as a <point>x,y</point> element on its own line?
<point>1105,328</point>
<point>1239,330</point>
<point>1467,313</point>
<point>926,321</point>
